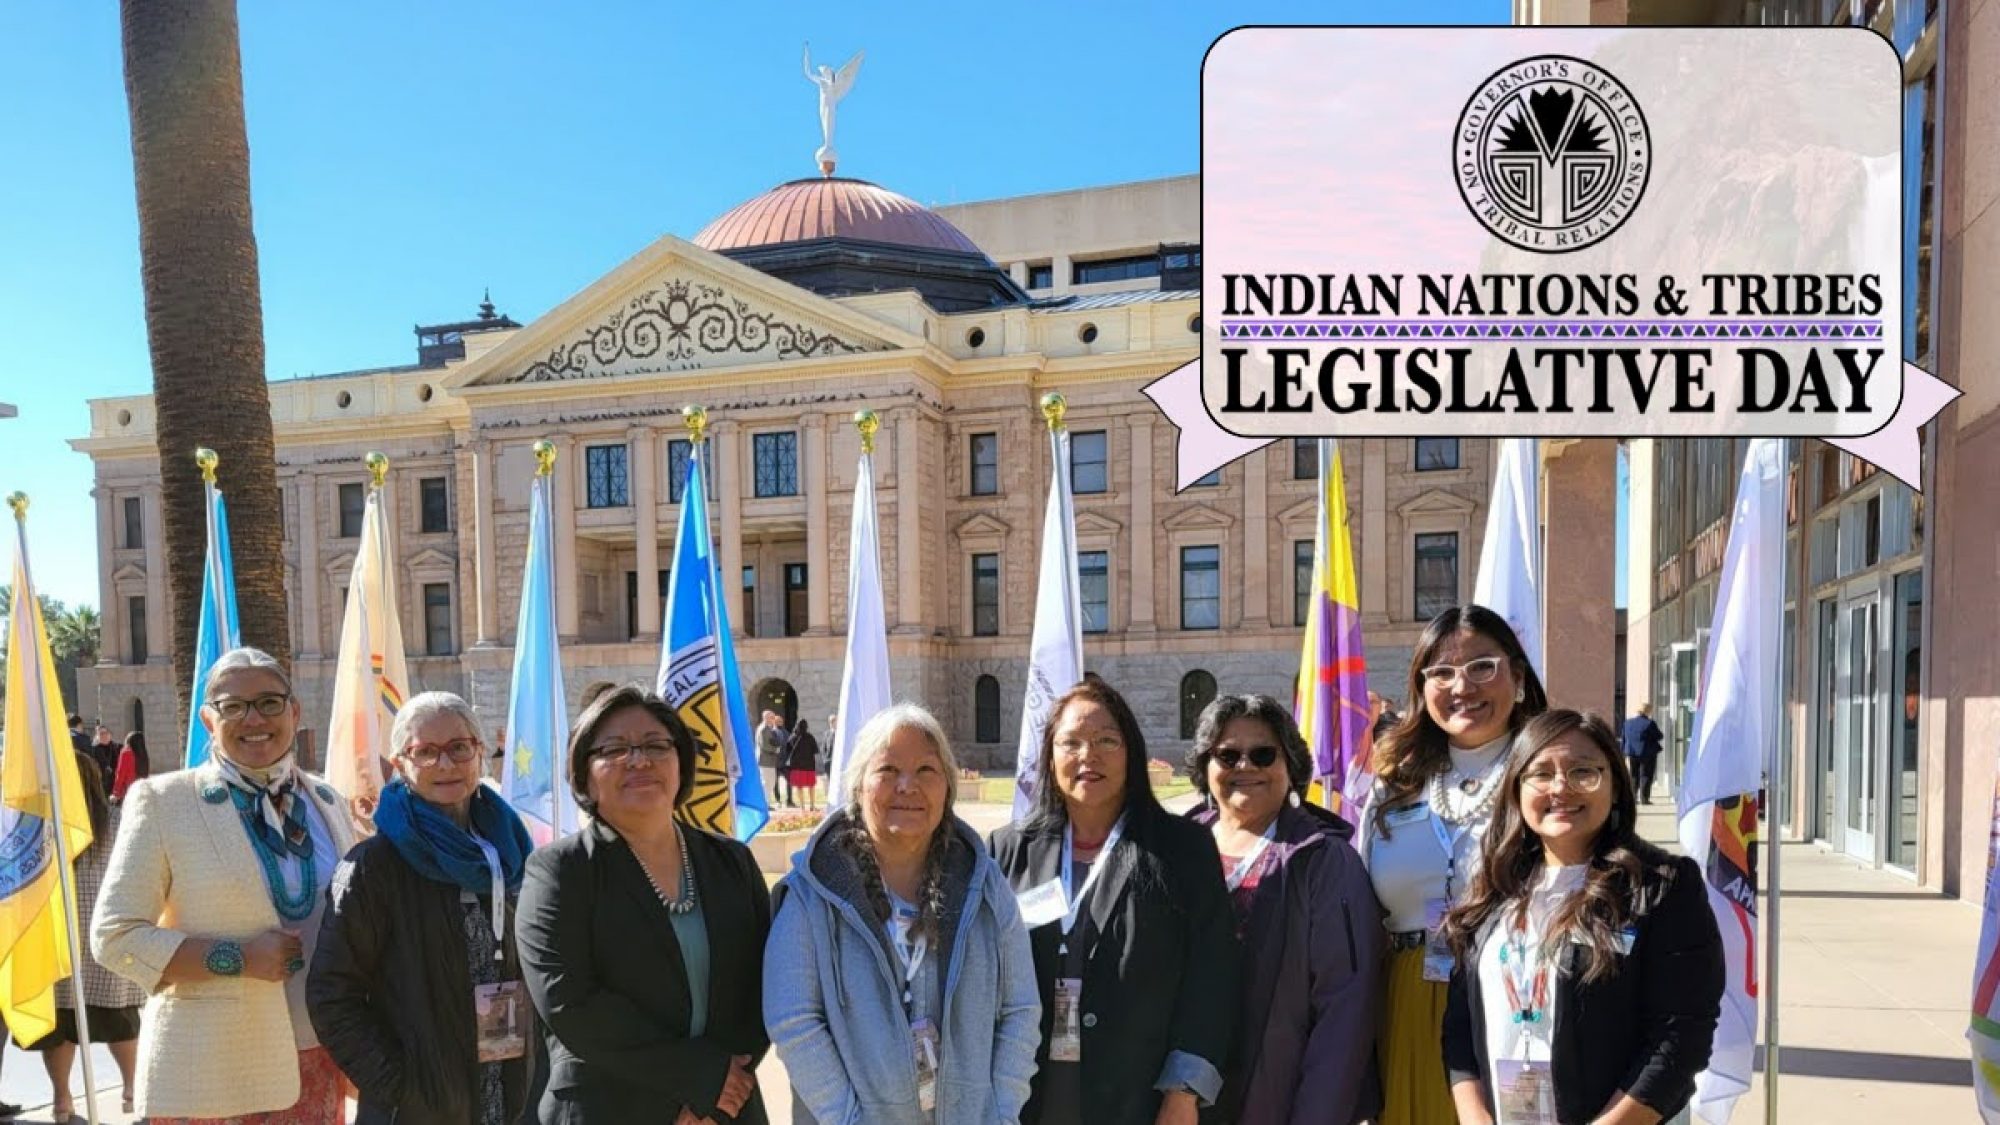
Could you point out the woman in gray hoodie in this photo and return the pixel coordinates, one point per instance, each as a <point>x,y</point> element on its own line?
<point>898,983</point>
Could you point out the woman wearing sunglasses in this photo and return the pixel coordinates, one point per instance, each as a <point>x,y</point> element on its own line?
<point>1590,968</point>
<point>642,937</point>
<point>416,985</point>
<point>1307,917</point>
<point>212,905</point>
<point>1437,780</point>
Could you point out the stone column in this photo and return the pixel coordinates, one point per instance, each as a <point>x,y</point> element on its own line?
<point>909,524</point>
<point>1139,432</point>
<point>1579,627</point>
<point>1374,530</point>
<point>1256,541</point>
<point>111,633</point>
<point>311,628</point>
<point>159,636</point>
<point>725,463</point>
<point>646,502</point>
<point>569,473</point>
<point>813,474</point>
<point>1059,272</point>
<point>485,563</point>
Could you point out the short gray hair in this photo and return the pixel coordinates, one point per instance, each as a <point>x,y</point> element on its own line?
<point>243,660</point>
<point>425,706</point>
<point>874,736</point>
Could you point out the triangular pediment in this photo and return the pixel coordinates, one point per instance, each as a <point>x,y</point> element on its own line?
<point>340,566</point>
<point>430,558</point>
<point>1305,511</point>
<point>1097,523</point>
<point>982,526</point>
<point>676,307</point>
<point>1201,517</point>
<point>1436,501</point>
<point>130,572</point>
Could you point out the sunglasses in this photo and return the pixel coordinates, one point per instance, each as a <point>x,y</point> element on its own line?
<point>1262,757</point>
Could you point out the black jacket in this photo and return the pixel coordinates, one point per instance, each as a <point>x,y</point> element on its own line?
<point>802,752</point>
<point>605,971</point>
<point>1645,1030</point>
<point>390,994</point>
<point>1163,964</point>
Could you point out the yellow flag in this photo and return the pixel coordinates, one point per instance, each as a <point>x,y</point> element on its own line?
<point>34,939</point>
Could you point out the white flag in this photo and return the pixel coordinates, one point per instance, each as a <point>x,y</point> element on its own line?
<point>1055,651</point>
<point>1735,729</point>
<point>1510,559</point>
<point>864,682</point>
<point>371,679</point>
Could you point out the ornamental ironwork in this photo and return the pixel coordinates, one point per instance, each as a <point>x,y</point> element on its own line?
<point>677,324</point>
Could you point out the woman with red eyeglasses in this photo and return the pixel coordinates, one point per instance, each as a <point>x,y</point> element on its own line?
<point>1307,917</point>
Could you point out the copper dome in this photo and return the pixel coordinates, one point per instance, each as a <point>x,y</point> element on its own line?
<point>805,210</point>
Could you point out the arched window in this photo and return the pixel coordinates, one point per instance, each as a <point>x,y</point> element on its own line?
<point>1197,692</point>
<point>986,710</point>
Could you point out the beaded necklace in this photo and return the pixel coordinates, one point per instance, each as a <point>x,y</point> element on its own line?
<point>291,907</point>
<point>685,904</point>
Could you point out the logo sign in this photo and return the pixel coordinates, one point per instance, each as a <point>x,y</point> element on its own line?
<point>1552,154</point>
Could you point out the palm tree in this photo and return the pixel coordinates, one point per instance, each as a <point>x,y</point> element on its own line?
<point>204,315</point>
<point>73,634</point>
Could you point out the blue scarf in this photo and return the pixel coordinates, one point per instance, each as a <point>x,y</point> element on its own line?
<point>428,840</point>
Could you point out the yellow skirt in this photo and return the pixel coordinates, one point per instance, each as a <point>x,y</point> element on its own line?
<point>1414,1090</point>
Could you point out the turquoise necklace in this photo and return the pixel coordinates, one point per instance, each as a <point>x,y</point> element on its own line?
<point>291,907</point>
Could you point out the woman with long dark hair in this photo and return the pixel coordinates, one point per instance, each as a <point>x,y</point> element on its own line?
<point>1437,780</point>
<point>133,765</point>
<point>1590,968</point>
<point>1136,956</point>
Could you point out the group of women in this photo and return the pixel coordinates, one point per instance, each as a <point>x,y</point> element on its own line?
<point>1493,943</point>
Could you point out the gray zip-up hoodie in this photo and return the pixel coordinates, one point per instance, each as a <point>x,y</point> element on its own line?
<point>833,994</point>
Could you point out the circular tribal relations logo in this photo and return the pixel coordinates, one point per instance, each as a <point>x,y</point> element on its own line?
<point>1552,154</point>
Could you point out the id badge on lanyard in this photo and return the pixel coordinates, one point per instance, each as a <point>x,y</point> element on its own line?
<point>1438,958</point>
<point>923,1032</point>
<point>1526,1093</point>
<point>1075,894</point>
<point>500,1010</point>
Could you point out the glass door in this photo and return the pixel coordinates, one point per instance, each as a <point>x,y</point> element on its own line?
<point>1855,723</point>
<point>1906,674</point>
<point>1826,680</point>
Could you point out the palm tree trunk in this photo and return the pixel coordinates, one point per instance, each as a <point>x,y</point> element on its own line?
<point>204,313</point>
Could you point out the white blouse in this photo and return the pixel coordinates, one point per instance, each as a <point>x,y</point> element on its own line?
<point>1409,866</point>
<point>1524,1041</point>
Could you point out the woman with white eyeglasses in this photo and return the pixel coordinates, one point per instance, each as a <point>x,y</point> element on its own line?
<point>212,905</point>
<point>1437,780</point>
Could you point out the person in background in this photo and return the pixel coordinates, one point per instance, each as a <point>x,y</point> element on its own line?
<point>802,765</point>
<point>1136,958</point>
<point>826,746</point>
<point>1642,740</point>
<point>77,738</point>
<point>134,765</point>
<point>1590,969</point>
<point>1437,779</point>
<point>1311,930</point>
<point>110,1001</point>
<point>771,756</point>
<point>899,940</point>
<point>104,752</point>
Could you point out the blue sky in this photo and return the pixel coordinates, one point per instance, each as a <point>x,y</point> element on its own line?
<point>404,157</point>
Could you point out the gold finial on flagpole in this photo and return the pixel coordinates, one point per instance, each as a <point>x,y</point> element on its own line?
<point>545,457</point>
<point>1054,406</point>
<point>206,460</point>
<point>19,502</point>
<point>378,468</point>
<point>867,421</point>
<point>696,418</point>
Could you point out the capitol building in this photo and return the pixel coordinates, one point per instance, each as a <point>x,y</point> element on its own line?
<point>783,317</point>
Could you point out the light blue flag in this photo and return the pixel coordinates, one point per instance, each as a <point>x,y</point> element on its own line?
<point>533,780</point>
<point>220,630</point>
<point>699,680</point>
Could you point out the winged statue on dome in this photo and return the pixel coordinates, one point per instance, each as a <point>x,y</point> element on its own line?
<point>833,86</point>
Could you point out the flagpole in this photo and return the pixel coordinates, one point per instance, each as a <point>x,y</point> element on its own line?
<point>545,480</point>
<point>696,420</point>
<point>1054,408</point>
<point>1774,813</point>
<point>19,502</point>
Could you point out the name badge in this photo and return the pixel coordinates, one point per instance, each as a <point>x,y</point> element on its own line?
<point>1623,940</point>
<point>1408,814</point>
<point>1066,1035</point>
<point>501,1013</point>
<point>1526,1093</point>
<point>924,1049</point>
<point>1438,958</point>
<point>1044,904</point>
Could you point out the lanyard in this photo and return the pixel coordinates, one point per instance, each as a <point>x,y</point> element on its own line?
<point>1242,870</point>
<point>499,898</point>
<point>1528,1008</point>
<point>910,954</point>
<point>1449,841</point>
<point>1074,894</point>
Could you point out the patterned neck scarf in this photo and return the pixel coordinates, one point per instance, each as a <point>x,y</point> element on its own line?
<point>268,801</point>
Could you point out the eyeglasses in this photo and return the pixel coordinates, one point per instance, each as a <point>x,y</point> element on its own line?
<point>269,706</point>
<point>1262,757</point>
<point>1583,779</point>
<point>1480,671</point>
<point>619,753</point>
<point>1078,747</point>
<point>428,754</point>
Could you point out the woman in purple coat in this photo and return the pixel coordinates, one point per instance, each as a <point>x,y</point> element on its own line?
<point>1308,920</point>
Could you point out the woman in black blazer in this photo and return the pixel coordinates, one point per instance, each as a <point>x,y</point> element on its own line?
<point>642,939</point>
<point>1151,943</point>
<point>1590,968</point>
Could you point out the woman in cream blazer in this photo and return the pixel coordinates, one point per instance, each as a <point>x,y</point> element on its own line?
<point>212,905</point>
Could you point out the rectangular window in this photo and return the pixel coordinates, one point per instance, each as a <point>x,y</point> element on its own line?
<point>1041,276</point>
<point>679,452</point>
<point>985,464</point>
<point>437,618</point>
<point>1089,464</point>
<point>1115,269</point>
<point>135,523</point>
<point>1435,454</point>
<point>632,599</point>
<point>1302,580</point>
<point>795,599</point>
<point>606,482</point>
<point>986,595</point>
<point>135,630</point>
<point>436,504</point>
<point>353,503</point>
<point>1093,569</point>
<point>777,464</point>
<point>1201,587</point>
<point>1305,458</point>
<point>1436,573</point>
<point>749,621</point>
<point>1209,481</point>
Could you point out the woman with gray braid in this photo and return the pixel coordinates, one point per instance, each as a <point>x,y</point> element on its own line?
<point>898,983</point>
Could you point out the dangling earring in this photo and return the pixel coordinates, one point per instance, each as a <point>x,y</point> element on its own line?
<point>1520,694</point>
<point>1296,799</point>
